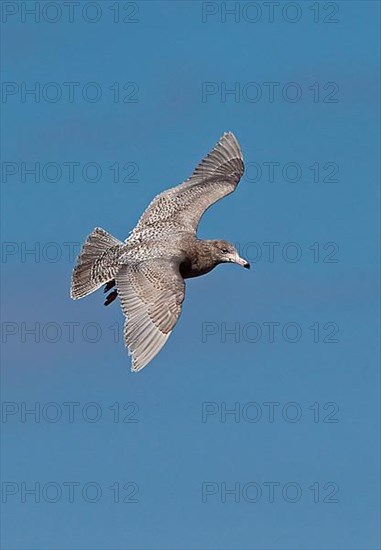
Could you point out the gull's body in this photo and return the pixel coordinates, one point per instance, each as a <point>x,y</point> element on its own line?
<point>150,266</point>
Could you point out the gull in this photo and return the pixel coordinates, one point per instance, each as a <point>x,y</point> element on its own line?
<point>148,269</point>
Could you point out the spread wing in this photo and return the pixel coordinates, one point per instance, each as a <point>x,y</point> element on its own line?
<point>151,294</point>
<point>180,208</point>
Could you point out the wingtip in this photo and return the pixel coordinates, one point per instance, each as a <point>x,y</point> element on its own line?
<point>73,295</point>
<point>229,140</point>
<point>230,137</point>
<point>135,367</point>
<point>229,134</point>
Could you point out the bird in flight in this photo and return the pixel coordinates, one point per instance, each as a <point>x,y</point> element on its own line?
<point>148,269</point>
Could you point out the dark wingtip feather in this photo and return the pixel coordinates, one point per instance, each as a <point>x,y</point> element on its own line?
<point>111,297</point>
<point>108,286</point>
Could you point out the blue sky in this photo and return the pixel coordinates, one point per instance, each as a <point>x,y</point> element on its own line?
<point>121,111</point>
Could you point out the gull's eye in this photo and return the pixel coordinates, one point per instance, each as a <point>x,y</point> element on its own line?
<point>225,251</point>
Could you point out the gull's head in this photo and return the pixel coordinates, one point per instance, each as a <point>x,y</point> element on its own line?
<point>227,253</point>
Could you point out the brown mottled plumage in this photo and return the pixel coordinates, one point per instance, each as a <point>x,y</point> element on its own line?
<point>149,268</point>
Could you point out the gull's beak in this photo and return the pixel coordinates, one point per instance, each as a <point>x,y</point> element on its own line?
<point>241,261</point>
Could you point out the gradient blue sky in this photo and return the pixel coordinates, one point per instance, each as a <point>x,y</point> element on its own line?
<point>169,53</point>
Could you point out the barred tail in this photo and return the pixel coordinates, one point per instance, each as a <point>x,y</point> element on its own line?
<point>87,276</point>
